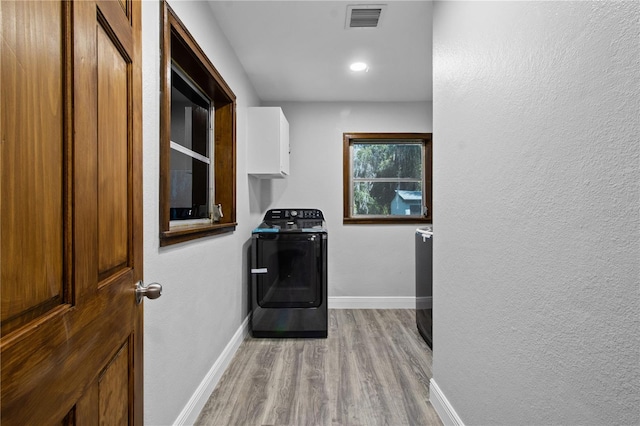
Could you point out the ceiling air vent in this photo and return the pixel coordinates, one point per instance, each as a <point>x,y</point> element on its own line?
<point>364,15</point>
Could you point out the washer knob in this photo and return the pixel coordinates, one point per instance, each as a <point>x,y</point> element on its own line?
<point>294,213</point>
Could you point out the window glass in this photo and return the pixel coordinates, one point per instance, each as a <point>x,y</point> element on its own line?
<point>387,198</point>
<point>397,159</point>
<point>190,145</point>
<point>187,101</point>
<point>387,178</point>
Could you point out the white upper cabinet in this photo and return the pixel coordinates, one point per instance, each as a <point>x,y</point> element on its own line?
<point>268,133</point>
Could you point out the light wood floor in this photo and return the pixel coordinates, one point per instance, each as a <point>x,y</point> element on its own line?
<point>373,369</point>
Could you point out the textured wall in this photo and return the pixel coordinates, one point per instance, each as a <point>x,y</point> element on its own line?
<point>205,290</point>
<point>537,246</point>
<point>364,260</point>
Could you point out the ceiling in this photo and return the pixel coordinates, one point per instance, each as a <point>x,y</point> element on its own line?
<point>301,51</point>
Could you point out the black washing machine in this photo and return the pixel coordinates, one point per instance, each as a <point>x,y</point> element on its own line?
<point>289,275</point>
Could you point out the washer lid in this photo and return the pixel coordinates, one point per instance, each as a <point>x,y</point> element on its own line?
<point>291,226</point>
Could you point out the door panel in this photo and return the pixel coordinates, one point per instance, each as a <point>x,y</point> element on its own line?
<point>32,182</point>
<point>71,223</point>
<point>113,83</point>
<point>113,390</point>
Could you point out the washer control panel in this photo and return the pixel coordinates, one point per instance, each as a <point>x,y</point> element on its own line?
<point>290,214</point>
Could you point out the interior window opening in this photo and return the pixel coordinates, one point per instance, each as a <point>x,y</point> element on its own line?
<point>191,181</point>
<point>197,140</point>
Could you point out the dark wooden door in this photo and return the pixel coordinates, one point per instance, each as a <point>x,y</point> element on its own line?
<point>71,219</point>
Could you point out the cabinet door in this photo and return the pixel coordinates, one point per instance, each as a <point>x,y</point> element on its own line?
<point>268,143</point>
<point>285,148</point>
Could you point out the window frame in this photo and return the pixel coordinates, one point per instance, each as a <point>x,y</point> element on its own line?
<point>349,139</point>
<point>193,62</point>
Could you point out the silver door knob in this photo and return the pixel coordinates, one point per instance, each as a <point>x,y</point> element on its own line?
<point>152,291</point>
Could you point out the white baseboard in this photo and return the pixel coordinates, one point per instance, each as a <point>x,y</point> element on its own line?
<point>348,302</point>
<point>196,403</point>
<point>442,406</point>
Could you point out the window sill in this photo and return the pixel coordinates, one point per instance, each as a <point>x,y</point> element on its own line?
<point>189,233</point>
<point>385,220</point>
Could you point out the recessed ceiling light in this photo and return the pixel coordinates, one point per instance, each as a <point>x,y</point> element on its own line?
<point>358,66</point>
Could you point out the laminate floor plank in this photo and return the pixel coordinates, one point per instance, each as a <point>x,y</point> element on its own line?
<point>373,369</point>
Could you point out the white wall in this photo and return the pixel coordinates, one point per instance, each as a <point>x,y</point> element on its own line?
<point>205,292</point>
<point>536,188</point>
<point>364,260</point>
